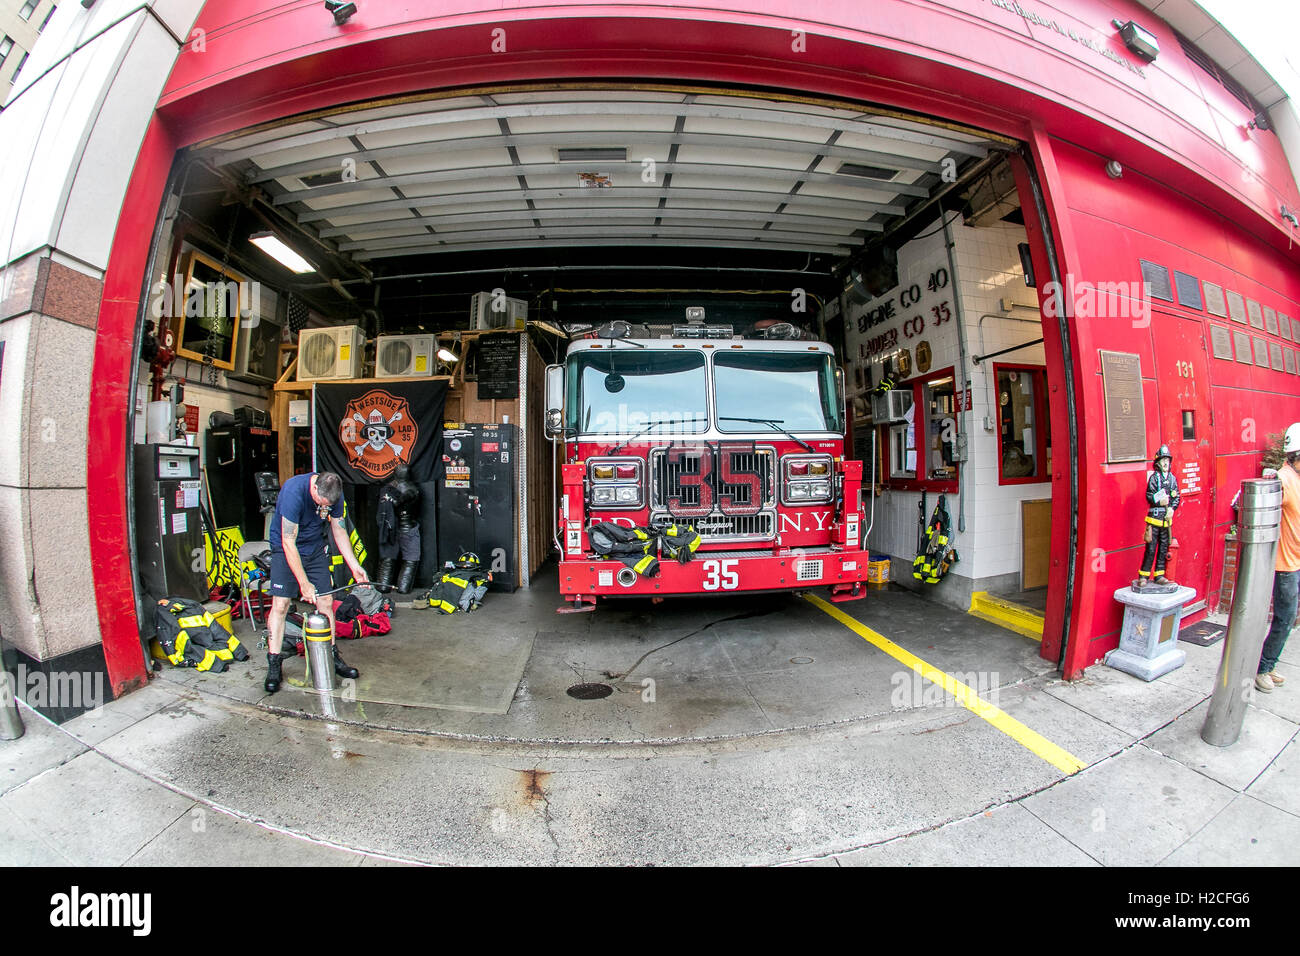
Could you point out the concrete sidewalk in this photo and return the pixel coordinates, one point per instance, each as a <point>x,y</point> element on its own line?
<point>173,775</point>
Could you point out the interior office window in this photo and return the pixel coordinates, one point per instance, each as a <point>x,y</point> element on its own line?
<point>28,9</point>
<point>1023,432</point>
<point>44,23</point>
<point>902,434</point>
<point>19,67</point>
<point>939,397</point>
<point>921,435</point>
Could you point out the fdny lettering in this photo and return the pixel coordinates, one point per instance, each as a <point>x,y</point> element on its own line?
<point>794,522</point>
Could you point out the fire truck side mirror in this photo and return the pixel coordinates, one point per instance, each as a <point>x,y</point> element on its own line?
<point>839,395</point>
<point>554,401</point>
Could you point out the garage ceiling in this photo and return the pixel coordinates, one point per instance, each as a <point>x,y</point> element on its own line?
<point>596,169</point>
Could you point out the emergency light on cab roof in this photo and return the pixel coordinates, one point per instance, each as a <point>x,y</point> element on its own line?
<point>701,461</point>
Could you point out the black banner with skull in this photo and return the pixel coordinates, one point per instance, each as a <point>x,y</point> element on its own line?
<point>363,432</point>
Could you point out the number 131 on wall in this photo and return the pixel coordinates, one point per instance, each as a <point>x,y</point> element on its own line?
<point>1185,369</point>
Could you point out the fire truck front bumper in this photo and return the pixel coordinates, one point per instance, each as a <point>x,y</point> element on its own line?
<point>720,572</point>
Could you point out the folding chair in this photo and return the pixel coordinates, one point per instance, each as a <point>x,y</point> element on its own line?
<point>255,576</point>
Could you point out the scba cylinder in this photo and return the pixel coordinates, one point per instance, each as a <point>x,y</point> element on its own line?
<point>320,657</point>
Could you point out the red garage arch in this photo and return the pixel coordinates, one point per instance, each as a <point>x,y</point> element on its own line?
<point>252,62</point>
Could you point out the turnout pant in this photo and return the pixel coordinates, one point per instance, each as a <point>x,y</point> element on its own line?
<point>1157,552</point>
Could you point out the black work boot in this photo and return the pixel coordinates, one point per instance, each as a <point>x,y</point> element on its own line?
<point>342,669</point>
<point>273,675</point>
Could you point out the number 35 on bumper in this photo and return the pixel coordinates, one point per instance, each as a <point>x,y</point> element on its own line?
<point>721,575</point>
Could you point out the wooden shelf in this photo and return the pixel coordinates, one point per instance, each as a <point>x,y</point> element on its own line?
<point>306,386</point>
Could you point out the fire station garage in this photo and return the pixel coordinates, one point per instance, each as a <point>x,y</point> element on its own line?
<point>736,294</point>
<point>744,383</point>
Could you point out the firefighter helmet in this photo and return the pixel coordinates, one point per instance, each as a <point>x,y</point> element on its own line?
<point>1291,444</point>
<point>1161,452</point>
<point>468,561</point>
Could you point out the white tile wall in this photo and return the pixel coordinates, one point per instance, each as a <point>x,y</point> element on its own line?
<point>988,270</point>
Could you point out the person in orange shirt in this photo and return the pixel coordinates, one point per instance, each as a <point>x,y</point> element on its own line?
<point>1286,570</point>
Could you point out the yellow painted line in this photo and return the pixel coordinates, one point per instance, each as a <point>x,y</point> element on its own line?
<point>1008,614</point>
<point>1031,740</point>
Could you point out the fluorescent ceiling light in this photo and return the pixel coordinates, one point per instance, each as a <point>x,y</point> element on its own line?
<point>277,250</point>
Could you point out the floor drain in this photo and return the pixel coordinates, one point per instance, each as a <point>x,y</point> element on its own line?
<point>590,691</point>
<point>801,660</point>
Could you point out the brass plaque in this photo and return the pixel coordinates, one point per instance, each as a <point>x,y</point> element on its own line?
<point>1214,303</point>
<point>1236,307</point>
<point>1166,629</point>
<point>923,357</point>
<point>1126,424</point>
<point>1221,342</point>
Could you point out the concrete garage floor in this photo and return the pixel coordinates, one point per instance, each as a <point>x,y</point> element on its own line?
<point>740,730</point>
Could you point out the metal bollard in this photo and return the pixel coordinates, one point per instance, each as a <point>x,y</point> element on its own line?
<point>1260,512</point>
<point>11,723</point>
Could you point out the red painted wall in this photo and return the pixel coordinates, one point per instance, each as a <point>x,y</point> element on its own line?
<point>1115,223</point>
<point>972,61</point>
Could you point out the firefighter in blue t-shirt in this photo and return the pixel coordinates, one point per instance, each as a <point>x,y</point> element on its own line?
<point>299,564</point>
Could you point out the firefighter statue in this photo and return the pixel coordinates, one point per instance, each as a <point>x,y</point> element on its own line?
<point>399,530</point>
<point>1162,499</point>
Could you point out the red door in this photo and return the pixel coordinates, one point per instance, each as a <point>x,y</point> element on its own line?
<point>1183,393</point>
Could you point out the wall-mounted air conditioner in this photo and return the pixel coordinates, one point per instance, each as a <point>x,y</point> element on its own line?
<point>484,314</point>
<point>257,354</point>
<point>399,356</point>
<point>334,352</point>
<point>891,406</point>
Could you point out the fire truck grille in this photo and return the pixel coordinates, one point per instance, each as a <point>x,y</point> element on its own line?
<point>666,478</point>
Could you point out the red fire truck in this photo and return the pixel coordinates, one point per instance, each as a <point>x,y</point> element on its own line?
<point>741,439</point>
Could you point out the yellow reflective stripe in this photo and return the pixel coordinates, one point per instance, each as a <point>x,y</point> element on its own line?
<point>208,660</point>
<point>194,620</point>
<point>640,566</point>
<point>1159,523</point>
<point>1032,741</point>
<point>224,654</point>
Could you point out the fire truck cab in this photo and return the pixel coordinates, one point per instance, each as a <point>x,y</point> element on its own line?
<point>740,439</point>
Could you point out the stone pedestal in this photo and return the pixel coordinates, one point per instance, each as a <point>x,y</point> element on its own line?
<point>1148,644</point>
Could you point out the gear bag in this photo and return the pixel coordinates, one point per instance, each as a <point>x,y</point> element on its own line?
<point>190,637</point>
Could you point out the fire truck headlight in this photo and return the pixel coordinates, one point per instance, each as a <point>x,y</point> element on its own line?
<point>601,496</point>
<point>799,490</point>
<point>627,495</point>
<point>819,489</point>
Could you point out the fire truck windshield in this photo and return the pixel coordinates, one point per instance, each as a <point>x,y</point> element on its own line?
<point>620,392</point>
<point>794,388</point>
